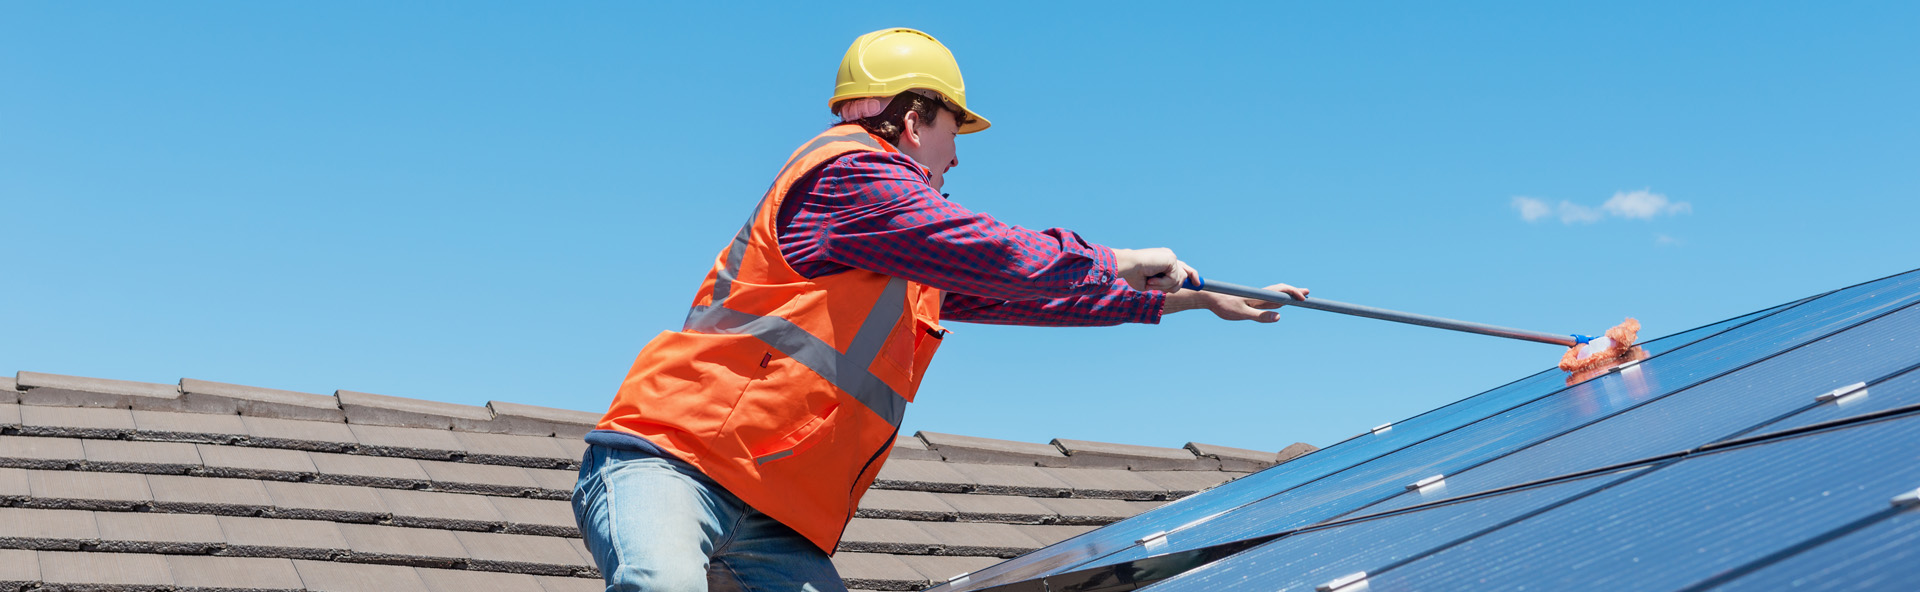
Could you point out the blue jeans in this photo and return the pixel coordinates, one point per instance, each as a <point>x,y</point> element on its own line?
<point>656,524</point>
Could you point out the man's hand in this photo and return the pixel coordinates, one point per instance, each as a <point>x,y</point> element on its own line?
<point>1232,308</point>
<point>1152,269</point>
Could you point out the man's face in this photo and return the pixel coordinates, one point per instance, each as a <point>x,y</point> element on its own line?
<point>935,149</point>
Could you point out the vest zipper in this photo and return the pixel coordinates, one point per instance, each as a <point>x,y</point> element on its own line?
<point>863,473</point>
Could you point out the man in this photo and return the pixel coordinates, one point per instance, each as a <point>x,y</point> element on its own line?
<point>738,447</point>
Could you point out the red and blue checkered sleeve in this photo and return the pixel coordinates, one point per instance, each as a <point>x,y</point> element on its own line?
<point>875,211</point>
<point>1120,304</point>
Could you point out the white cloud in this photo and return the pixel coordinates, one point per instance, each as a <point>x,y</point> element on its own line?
<point>1633,205</point>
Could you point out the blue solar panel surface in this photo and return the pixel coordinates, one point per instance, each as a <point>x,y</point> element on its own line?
<point>1731,409</point>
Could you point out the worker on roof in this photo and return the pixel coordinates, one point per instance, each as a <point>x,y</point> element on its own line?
<point>738,447</point>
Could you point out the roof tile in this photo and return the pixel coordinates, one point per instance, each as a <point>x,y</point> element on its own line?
<point>360,469</point>
<point>75,421</point>
<point>1112,484</point>
<point>941,569</point>
<point>1047,534</point>
<point>17,567</point>
<point>905,505</point>
<point>1133,457</point>
<point>922,475</point>
<point>1093,511</point>
<point>565,584</point>
<point>299,539</point>
<point>195,427</point>
<point>252,574</point>
<point>531,451</point>
<point>1233,459</point>
<point>80,391</point>
<point>554,480</point>
<point>980,538</point>
<point>371,409</point>
<point>877,571</point>
<point>203,494</point>
<point>516,418</point>
<point>525,553</point>
<point>13,483</point>
<point>997,508</point>
<point>460,580</point>
<point>40,453</point>
<point>9,412</point>
<point>89,491</point>
<point>372,543</point>
<point>327,576</point>
<point>479,478</point>
<point>304,435</point>
<point>410,442</point>
<point>339,503</point>
<point>1180,484</point>
<point>434,509</point>
<point>969,449</point>
<point>9,390</point>
<point>140,456</point>
<point>259,463</point>
<point>220,397</point>
<point>887,536</point>
<point>150,532</point>
<point>1293,451</point>
<point>536,516</point>
<point>1013,480</point>
<point>101,570</point>
<point>24,528</point>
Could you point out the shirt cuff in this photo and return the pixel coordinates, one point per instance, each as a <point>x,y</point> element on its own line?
<point>1106,268</point>
<point>1148,307</point>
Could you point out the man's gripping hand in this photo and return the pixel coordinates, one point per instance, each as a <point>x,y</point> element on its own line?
<point>1152,269</point>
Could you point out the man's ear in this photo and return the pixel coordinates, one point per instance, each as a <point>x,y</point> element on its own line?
<point>910,128</point>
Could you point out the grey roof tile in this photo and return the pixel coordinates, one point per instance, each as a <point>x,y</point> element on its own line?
<point>574,447</point>
<point>299,539</point>
<point>1013,480</point>
<point>80,391</point>
<point>523,553</point>
<point>1233,459</point>
<point>360,469</point>
<point>305,435</point>
<point>9,413</point>
<point>40,453</point>
<point>460,580</point>
<point>969,449</point>
<point>340,503</point>
<point>140,456</point>
<point>1184,483</point>
<point>13,483</point>
<point>195,427</point>
<point>912,448</point>
<point>384,410</point>
<point>259,463</point>
<point>151,532</point>
<point>204,494</point>
<point>536,516</point>
<point>905,505</point>
<point>9,390</point>
<point>554,480</point>
<point>85,422</point>
<point>922,475</point>
<point>373,543</point>
<point>1112,484</point>
<point>940,569</point>
<point>24,528</point>
<point>877,571</point>
<point>476,477</point>
<point>997,508</point>
<point>1093,511</point>
<point>411,442</point>
<point>1293,451</point>
<point>1133,457</point>
<point>532,451</point>
<point>887,536</point>
<point>220,397</point>
<point>565,584</point>
<point>19,566</point>
<point>515,418</point>
<point>328,576</point>
<point>980,538</point>
<point>580,548</point>
<point>89,491</point>
<point>434,509</point>
<point>103,570</point>
<point>252,574</point>
<point>1047,534</point>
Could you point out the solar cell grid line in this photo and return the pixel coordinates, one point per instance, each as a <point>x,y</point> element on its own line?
<point>1362,448</point>
<point>1716,410</point>
<point>1884,555</point>
<point>1702,516</point>
<point>1384,477</point>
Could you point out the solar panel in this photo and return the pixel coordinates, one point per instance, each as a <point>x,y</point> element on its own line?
<point>1881,555</point>
<point>1754,374</point>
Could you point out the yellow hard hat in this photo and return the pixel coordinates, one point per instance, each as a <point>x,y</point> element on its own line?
<point>888,62</point>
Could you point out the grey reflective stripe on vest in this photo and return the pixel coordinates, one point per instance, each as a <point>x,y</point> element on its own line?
<point>848,371</point>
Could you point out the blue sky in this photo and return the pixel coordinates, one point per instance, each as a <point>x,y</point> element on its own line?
<point>490,201</point>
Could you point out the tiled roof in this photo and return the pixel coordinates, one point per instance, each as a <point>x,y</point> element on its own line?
<point>108,484</point>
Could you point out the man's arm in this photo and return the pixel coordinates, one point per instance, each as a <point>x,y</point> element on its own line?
<point>1121,304</point>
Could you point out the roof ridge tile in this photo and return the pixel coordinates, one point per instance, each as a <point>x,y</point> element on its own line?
<point>1233,459</point>
<point>40,388</point>
<point>974,449</point>
<point>220,397</point>
<point>1133,457</point>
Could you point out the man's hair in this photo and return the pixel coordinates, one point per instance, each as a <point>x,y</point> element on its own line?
<point>892,121</point>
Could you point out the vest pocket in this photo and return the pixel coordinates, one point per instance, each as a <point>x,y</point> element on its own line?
<point>794,442</point>
<point>906,354</point>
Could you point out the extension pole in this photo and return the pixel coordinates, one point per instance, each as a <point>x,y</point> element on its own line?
<point>1195,283</point>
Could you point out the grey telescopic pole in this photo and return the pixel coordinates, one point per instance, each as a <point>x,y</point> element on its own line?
<point>1568,340</point>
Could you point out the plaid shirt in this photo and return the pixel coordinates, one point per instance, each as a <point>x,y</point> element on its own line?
<point>876,211</point>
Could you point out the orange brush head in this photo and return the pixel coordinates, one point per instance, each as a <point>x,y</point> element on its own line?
<point>1614,349</point>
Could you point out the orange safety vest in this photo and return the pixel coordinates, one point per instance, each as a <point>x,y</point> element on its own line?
<point>785,390</point>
